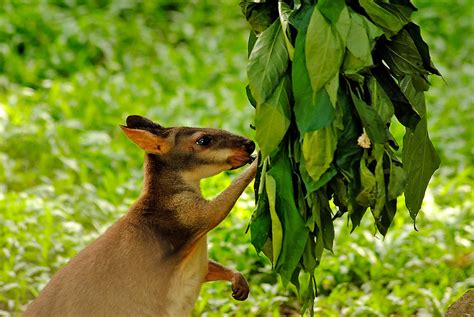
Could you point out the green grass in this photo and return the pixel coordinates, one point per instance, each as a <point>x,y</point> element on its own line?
<point>70,74</point>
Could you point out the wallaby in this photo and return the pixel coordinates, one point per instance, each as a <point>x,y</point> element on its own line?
<point>153,260</point>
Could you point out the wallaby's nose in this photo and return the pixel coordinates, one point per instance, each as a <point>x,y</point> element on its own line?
<point>249,146</point>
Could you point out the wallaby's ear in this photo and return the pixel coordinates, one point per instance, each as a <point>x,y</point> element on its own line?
<point>139,122</point>
<point>144,133</point>
<point>149,142</point>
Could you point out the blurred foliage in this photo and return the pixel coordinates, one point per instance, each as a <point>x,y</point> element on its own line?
<point>70,72</point>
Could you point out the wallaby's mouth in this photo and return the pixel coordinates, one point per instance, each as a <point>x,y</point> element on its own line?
<point>237,161</point>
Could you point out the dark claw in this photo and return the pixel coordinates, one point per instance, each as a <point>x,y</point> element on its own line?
<point>240,287</point>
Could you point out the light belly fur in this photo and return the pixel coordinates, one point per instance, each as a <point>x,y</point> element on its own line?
<point>187,280</point>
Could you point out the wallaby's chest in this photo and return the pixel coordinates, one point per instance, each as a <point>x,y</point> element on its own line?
<point>187,280</point>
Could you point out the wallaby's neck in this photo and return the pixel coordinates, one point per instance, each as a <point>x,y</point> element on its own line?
<point>153,210</point>
<point>156,173</point>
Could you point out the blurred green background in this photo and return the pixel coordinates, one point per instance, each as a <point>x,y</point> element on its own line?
<point>70,73</point>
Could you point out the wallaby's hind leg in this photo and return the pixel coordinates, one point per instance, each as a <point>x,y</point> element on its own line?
<point>218,272</point>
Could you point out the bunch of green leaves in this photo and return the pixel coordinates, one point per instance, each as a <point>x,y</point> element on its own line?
<point>326,78</point>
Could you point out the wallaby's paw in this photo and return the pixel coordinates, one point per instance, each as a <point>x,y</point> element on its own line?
<point>240,287</point>
<point>253,166</point>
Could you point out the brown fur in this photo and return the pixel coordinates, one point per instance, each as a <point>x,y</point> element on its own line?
<point>153,260</point>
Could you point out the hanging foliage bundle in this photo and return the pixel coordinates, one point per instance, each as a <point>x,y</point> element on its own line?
<point>326,78</point>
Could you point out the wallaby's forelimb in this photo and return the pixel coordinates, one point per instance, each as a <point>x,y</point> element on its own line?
<point>218,272</point>
<point>211,213</point>
<point>218,208</point>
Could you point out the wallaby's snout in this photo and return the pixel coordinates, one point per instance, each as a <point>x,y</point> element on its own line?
<point>242,149</point>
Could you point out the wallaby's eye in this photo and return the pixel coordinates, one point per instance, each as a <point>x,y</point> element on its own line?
<point>204,140</point>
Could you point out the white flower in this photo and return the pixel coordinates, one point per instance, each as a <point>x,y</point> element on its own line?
<point>363,141</point>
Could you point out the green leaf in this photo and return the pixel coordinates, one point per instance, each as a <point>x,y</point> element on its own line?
<point>311,221</point>
<point>310,184</point>
<point>402,107</point>
<point>267,249</point>
<point>328,229</point>
<point>272,119</point>
<point>251,42</point>
<point>372,122</point>
<point>361,40</point>
<point>300,18</point>
<point>416,97</point>
<point>332,87</point>
<point>386,217</point>
<point>260,224</point>
<point>367,195</point>
<point>423,50</point>
<point>309,256</point>
<point>295,232</point>
<point>326,225</point>
<point>401,55</point>
<point>391,22</point>
<point>402,10</point>
<point>331,9</point>
<point>251,99</point>
<point>314,116</point>
<point>419,156</point>
<point>380,101</point>
<point>359,46</point>
<point>302,91</point>
<point>373,31</point>
<point>397,182</point>
<point>325,178</point>
<point>267,62</point>
<point>294,277</point>
<point>356,211</point>
<point>348,153</point>
<point>323,51</point>
<point>339,186</point>
<point>277,229</point>
<point>317,210</point>
<point>299,188</point>
<point>318,151</point>
<point>343,25</point>
<point>310,113</point>
<point>319,247</point>
<point>258,186</point>
<point>307,292</point>
<point>358,40</point>
<point>284,11</point>
<point>259,15</point>
<point>406,3</point>
<point>381,196</point>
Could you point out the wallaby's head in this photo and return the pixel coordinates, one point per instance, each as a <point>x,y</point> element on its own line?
<point>195,151</point>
